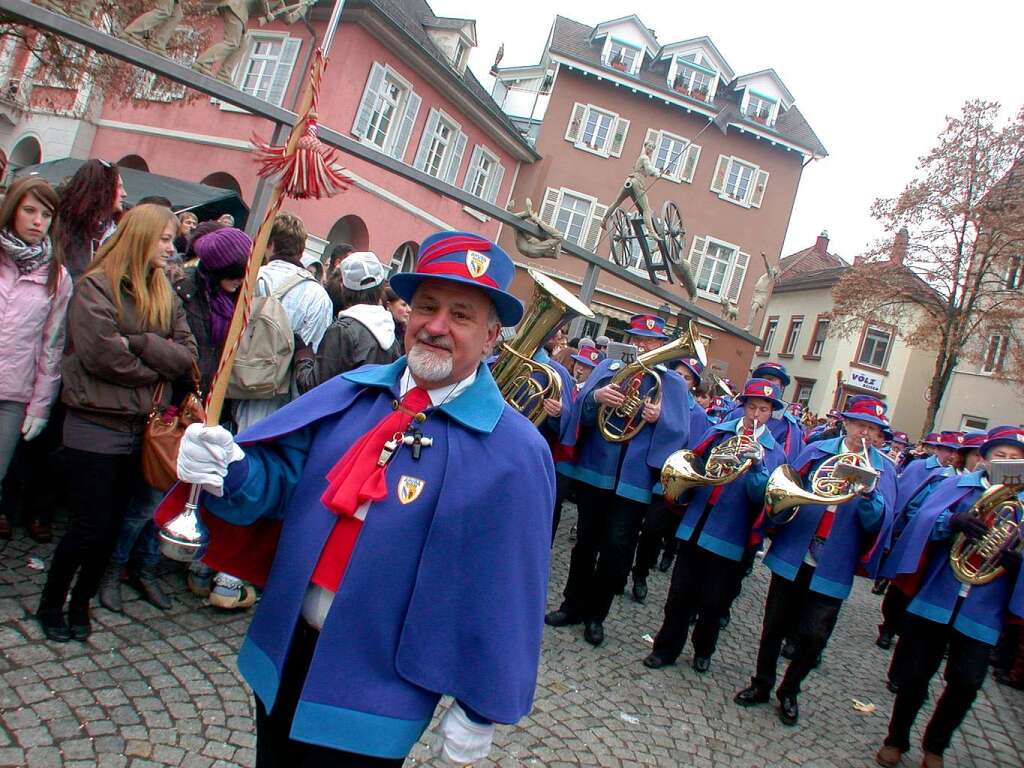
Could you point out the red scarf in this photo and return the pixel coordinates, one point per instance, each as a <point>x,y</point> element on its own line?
<point>358,477</point>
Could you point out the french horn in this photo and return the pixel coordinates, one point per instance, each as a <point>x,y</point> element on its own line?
<point>726,462</point>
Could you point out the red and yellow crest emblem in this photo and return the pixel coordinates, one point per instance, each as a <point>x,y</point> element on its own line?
<point>477,263</point>
<point>409,488</point>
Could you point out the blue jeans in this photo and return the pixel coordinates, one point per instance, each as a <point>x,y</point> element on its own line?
<point>138,535</point>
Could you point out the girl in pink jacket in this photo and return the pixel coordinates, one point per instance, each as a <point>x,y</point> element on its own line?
<point>34,292</point>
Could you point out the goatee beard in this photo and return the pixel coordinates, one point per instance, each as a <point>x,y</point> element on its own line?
<point>427,365</point>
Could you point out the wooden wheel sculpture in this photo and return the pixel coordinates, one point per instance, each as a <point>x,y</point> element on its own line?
<point>621,238</point>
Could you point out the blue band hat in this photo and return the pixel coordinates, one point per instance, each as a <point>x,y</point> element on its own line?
<point>1004,435</point>
<point>932,438</point>
<point>468,259</point>
<point>588,356</point>
<point>973,441</point>
<point>763,389</point>
<point>651,326</point>
<point>694,365</point>
<point>771,369</point>
<point>900,438</point>
<point>869,409</point>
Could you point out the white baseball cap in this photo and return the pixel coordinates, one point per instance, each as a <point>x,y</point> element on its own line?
<point>362,270</point>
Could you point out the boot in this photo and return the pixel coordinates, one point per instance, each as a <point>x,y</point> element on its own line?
<point>639,588</point>
<point>148,586</point>
<point>6,532</point>
<point>110,588</point>
<point>665,564</point>
<point>78,622</point>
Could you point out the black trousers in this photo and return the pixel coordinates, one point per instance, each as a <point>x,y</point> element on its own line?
<point>562,486</point>
<point>894,607</point>
<point>704,584</point>
<point>918,657</point>
<point>792,610</point>
<point>274,747</point>
<point>100,485</point>
<point>606,535</point>
<point>658,530</point>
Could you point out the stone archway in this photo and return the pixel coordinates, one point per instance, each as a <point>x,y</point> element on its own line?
<point>222,180</point>
<point>349,229</point>
<point>404,257</point>
<point>135,162</point>
<point>25,153</point>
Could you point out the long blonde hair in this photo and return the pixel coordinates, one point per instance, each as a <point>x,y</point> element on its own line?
<point>125,260</point>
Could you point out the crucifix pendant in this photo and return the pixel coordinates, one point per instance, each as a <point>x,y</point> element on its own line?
<point>418,443</point>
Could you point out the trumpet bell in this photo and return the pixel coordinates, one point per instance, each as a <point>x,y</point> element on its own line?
<point>185,538</point>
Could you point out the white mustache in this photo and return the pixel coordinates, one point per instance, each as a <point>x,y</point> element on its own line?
<point>435,341</point>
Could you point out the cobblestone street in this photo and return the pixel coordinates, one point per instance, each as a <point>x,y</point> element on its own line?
<point>155,689</point>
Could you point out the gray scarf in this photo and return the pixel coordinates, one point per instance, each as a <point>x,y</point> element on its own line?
<point>27,258</point>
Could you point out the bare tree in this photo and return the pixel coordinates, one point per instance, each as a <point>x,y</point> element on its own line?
<point>949,274</point>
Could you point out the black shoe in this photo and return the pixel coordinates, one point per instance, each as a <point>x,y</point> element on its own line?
<point>752,695</point>
<point>724,619</point>
<point>701,664</point>
<point>639,589</point>
<point>893,686</point>
<point>6,531</point>
<point>110,589</point>
<point>789,649</point>
<point>79,623</point>
<point>54,626</point>
<point>148,586</point>
<point>789,710</point>
<point>654,661</point>
<point>665,563</point>
<point>884,640</point>
<point>593,633</point>
<point>560,618</point>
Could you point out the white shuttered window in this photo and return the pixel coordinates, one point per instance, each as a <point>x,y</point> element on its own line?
<point>718,268</point>
<point>441,147</point>
<point>483,178</point>
<point>576,215</point>
<point>268,67</point>
<point>739,181</point>
<point>387,111</point>
<point>597,130</point>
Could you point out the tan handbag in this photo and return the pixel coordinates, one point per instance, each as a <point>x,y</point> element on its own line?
<point>164,431</point>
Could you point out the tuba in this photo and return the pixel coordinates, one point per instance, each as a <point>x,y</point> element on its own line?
<point>836,480</point>
<point>977,562</point>
<point>524,383</point>
<point>727,461</point>
<point>620,423</point>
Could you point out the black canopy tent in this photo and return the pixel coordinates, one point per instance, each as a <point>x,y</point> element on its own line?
<point>205,201</point>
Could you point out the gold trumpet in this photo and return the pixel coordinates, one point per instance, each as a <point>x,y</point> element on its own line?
<point>727,461</point>
<point>524,383</point>
<point>619,423</point>
<point>837,480</point>
<point>977,562</point>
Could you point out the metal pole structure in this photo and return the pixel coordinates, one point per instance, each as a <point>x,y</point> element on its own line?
<point>58,24</point>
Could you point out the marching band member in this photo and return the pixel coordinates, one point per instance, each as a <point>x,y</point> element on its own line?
<point>914,487</point>
<point>830,429</point>
<point>813,560</point>
<point>715,530</point>
<point>660,520</point>
<point>946,615</point>
<point>970,450</point>
<point>614,482</point>
<point>583,364</point>
<point>785,428</point>
<point>399,464</point>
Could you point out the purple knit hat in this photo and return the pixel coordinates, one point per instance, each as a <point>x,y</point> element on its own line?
<point>225,252</point>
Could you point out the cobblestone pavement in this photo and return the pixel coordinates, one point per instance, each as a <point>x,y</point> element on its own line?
<point>154,689</point>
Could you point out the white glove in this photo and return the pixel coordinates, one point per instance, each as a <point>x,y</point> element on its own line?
<point>204,455</point>
<point>32,427</point>
<point>458,740</point>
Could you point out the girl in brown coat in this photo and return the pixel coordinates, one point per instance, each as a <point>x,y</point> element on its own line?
<point>127,333</point>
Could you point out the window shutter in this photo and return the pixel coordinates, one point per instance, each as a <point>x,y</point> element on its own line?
<point>428,133</point>
<point>739,271</point>
<point>597,213</point>
<point>696,254</point>
<point>550,207</point>
<point>455,160</point>
<point>283,71</point>
<point>373,86</point>
<point>689,165</point>
<point>757,193</point>
<point>619,131</point>
<point>572,131</point>
<point>412,108</point>
<point>494,184</point>
<point>474,163</point>
<point>718,181</point>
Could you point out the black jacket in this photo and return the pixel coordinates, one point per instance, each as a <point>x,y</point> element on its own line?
<point>347,344</point>
<point>197,310</point>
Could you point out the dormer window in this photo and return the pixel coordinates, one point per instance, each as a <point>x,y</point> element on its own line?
<point>623,56</point>
<point>761,109</point>
<point>693,80</point>
<point>459,56</point>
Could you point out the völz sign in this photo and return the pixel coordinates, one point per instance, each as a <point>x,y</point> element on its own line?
<point>865,380</point>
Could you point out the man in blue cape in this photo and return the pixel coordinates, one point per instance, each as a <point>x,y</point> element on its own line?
<point>614,480</point>
<point>396,575</point>
<point>813,559</point>
<point>946,616</point>
<point>715,531</point>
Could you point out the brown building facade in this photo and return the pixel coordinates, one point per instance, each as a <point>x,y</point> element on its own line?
<point>731,150</point>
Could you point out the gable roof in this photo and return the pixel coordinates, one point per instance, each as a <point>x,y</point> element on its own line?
<point>812,267</point>
<point>786,95</point>
<point>573,40</point>
<point>670,49</point>
<point>647,32</point>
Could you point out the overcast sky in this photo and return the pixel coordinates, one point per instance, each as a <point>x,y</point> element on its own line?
<point>874,79</point>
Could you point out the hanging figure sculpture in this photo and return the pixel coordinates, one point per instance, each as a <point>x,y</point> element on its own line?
<point>634,187</point>
<point>153,29</point>
<point>762,290</point>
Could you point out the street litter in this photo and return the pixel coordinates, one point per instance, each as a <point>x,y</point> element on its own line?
<point>36,563</point>
<point>866,708</point>
<point>648,639</point>
<point>629,718</point>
